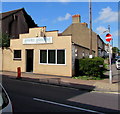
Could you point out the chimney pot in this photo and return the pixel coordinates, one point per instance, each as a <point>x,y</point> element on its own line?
<point>77,15</point>
<point>85,24</point>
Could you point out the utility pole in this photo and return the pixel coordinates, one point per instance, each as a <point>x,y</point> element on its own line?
<point>110,65</point>
<point>90,32</point>
<point>110,49</point>
<point>110,56</point>
<point>109,32</point>
<point>109,38</point>
<point>109,28</point>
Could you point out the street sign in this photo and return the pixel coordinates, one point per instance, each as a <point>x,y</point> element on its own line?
<point>108,37</point>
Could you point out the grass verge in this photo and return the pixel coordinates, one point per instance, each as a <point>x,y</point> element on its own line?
<point>87,78</point>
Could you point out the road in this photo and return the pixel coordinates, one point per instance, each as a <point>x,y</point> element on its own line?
<point>115,73</point>
<point>36,97</point>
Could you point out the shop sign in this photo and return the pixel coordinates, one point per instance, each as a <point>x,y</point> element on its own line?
<point>38,40</point>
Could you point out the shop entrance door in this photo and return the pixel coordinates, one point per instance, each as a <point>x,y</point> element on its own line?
<point>29,60</point>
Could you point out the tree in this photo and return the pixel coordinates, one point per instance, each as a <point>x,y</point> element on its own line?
<point>4,40</point>
<point>115,51</point>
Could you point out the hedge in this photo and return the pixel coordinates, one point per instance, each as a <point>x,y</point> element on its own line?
<point>92,67</point>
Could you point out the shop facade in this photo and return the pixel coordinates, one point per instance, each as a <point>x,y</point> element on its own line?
<point>40,51</point>
<point>50,52</point>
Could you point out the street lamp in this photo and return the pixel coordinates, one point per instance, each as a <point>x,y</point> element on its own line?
<point>108,39</point>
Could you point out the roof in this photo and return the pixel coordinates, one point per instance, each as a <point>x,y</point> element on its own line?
<point>6,14</point>
<point>100,38</point>
<point>28,18</point>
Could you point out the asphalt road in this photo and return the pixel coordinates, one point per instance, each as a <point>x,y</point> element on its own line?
<point>35,97</point>
<point>115,73</point>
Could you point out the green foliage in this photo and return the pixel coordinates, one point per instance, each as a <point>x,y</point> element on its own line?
<point>4,40</point>
<point>92,67</point>
<point>87,78</point>
<point>115,50</point>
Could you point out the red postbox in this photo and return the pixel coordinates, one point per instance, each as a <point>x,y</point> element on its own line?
<point>18,73</point>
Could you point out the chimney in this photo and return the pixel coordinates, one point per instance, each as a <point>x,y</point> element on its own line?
<point>85,24</point>
<point>76,18</point>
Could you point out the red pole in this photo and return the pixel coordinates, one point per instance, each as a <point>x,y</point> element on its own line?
<point>18,72</point>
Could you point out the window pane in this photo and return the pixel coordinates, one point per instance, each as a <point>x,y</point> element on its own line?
<point>43,56</point>
<point>17,53</point>
<point>60,56</point>
<point>51,56</point>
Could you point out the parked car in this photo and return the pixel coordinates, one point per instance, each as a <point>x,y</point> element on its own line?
<point>5,102</point>
<point>117,57</point>
<point>118,64</point>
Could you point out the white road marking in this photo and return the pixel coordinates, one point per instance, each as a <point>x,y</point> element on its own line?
<point>64,105</point>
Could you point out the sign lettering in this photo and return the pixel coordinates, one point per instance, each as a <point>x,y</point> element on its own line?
<point>38,40</point>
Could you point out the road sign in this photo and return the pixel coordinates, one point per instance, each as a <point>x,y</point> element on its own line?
<point>108,37</point>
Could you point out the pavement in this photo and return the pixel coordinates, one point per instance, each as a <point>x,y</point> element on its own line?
<point>89,85</point>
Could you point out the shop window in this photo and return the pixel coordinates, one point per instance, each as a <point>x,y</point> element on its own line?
<point>51,56</point>
<point>17,54</point>
<point>60,56</point>
<point>43,56</point>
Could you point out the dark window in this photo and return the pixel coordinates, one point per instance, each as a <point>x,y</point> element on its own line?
<point>60,56</point>
<point>17,54</point>
<point>43,56</point>
<point>51,56</point>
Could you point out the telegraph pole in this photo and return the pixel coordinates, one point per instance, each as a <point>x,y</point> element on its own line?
<point>110,57</point>
<point>110,65</point>
<point>90,20</point>
<point>108,39</point>
<point>109,28</point>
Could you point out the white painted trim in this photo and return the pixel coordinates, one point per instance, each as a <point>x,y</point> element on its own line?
<point>47,57</point>
<point>56,56</point>
<point>17,58</point>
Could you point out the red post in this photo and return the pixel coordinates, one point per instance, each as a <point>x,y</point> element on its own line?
<point>18,72</point>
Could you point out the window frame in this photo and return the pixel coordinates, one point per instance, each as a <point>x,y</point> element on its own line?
<point>55,57</point>
<point>40,56</point>
<point>48,55</point>
<point>64,56</point>
<point>14,54</point>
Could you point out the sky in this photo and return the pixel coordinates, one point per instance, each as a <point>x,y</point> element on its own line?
<point>58,15</point>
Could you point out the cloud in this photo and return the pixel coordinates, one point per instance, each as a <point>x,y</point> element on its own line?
<point>66,17</point>
<point>101,29</point>
<point>107,15</point>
